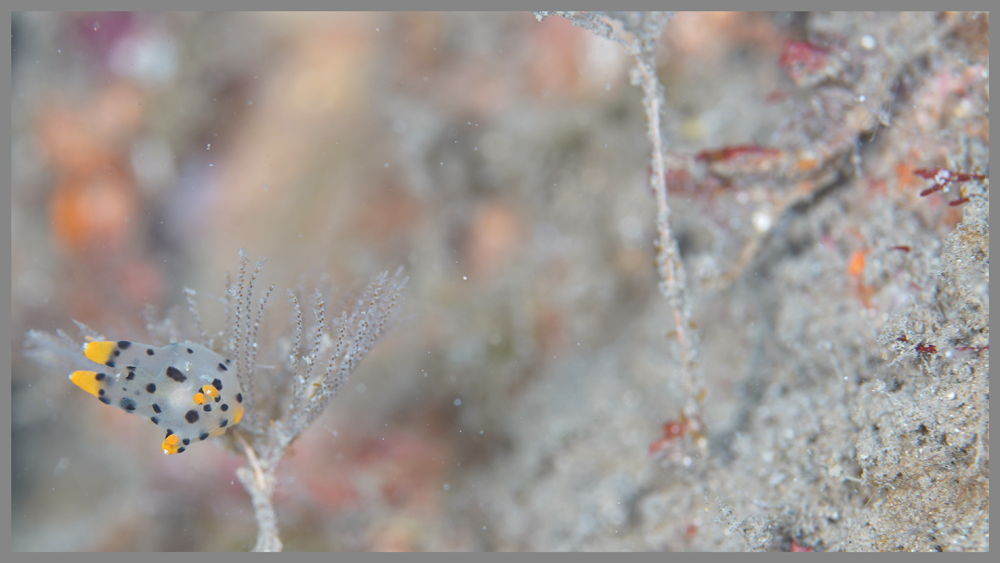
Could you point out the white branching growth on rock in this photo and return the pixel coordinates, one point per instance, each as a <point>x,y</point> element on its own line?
<point>639,33</point>
<point>300,369</point>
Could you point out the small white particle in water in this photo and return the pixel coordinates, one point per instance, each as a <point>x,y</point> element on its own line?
<point>458,402</point>
<point>447,487</point>
<point>481,431</point>
<point>209,147</point>
<point>868,42</point>
<point>362,388</point>
<point>465,277</point>
<point>386,165</point>
<point>761,221</point>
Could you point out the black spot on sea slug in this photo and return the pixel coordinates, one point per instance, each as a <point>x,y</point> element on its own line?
<point>176,375</point>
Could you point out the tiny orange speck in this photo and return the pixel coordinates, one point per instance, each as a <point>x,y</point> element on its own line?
<point>856,265</point>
